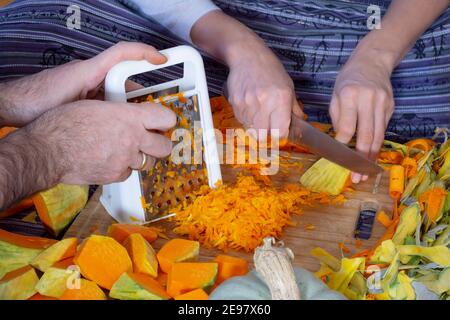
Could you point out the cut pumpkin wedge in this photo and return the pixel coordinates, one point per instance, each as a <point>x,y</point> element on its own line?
<point>19,284</point>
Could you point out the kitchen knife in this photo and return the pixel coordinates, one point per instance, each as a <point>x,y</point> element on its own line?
<point>301,132</point>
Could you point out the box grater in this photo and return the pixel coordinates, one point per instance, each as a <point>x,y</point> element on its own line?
<point>146,194</point>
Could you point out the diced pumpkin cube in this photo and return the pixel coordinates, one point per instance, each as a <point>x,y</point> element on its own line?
<point>230,267</point>
<point>17,251</point>
<point>326,176</point>
<point>137,286</point>
<point>54,281</point>
<point>102,260</point>
<point>121,231</point>
<point>18,284</point>
<point>198,294</point>
<point>59,251</point>
<point>177,250</point>
<point>58,206</point>
<point>188,276</point>
<point>142,255</point>
<point>88,290</point>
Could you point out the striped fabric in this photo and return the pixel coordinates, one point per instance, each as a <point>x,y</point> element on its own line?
<point>312,38</point>
<point>315,38</point>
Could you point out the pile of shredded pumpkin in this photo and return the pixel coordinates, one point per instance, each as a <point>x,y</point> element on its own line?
<point>240,215</point>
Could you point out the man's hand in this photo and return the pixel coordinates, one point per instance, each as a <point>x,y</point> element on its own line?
<point>363,102</point>
<point>85,142</point>
<point>26,99</point>
<point>259,88</point>
<point>100,142</point>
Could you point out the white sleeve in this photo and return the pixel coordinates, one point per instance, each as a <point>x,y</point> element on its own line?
<point>178,16</point>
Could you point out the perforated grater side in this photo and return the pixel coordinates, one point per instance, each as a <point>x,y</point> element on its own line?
<point>146,194</point>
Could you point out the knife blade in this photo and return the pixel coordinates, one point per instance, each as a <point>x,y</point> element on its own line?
<point>321,144</point>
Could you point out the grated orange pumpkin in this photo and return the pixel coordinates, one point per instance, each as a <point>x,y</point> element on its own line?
<point>240,215</point>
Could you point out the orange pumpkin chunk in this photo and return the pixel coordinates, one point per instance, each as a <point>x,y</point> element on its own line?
<point>230,267</point>
<point>142,255</point>
<point>188,276</point>
<point>177,250</point>
<point>88,290</point>
<point>121,231</point>
<point>102,260</point>
<point>198,294</point>
<point>25,241</point>
<point>137,286</point>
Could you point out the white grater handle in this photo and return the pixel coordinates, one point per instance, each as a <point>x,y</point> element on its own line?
<point>122,200</point>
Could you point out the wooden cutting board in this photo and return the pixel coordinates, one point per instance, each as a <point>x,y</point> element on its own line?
<point>332,224</point>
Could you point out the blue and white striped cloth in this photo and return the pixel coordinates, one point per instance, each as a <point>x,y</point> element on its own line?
<point>313,38</point>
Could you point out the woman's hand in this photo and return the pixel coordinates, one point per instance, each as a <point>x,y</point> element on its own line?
<point>258,86</point>
<point>363,102</point>
<point>261,92</point>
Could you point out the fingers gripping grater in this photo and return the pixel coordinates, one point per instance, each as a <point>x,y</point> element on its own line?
<point>146,194</point>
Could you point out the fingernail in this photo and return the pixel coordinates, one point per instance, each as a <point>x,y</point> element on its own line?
<point>364,178</point>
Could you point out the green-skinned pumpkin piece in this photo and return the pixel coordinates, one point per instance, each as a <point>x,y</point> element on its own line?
<point>58,206</point>
<point>83,290</point>
<point>54,281</point>
<point>177,250</point>
<point>61,250</point>
<point>188,276</point>
<point>142,255</point>
<point>17,251</point>
<point>137,286</point>
<point>18,284</point>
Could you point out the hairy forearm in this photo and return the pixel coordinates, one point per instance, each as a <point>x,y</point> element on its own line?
<point>26,166</point>
<point>225,38</point>
<point>23,100</point>
<point>404,22</point>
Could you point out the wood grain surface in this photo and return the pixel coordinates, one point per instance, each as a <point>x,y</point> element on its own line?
<point>332,224</point>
